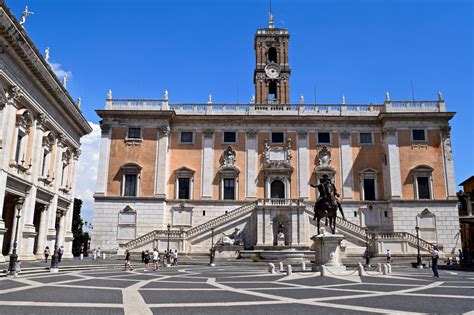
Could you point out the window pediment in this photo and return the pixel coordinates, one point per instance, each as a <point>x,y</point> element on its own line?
<point>184,172</point>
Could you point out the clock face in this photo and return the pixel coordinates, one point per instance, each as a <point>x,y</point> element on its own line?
<point>272,71</point>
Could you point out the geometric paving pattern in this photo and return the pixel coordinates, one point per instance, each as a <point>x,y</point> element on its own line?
<point>236,290</point>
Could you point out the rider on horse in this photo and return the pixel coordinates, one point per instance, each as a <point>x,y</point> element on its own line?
<point>328,196</point>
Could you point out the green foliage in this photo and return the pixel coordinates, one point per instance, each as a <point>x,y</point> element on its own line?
<point>255,258</point>
<point>80,238</point>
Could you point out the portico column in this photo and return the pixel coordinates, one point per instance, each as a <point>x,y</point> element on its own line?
<point>43,227</point>
<point>251,167</point>
<point>394,189</point>
<point>450,181</point>
<point>346,165</point>
<point>161,158</point>
<point>207,169</point>
<point>68,236</point>
<point>51,223</point>
<point>104,153</point>
<point>303,164</point>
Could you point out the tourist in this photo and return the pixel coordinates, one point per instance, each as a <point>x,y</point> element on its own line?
<point>46,254</point>
<point>94,254</point>
<point>156,256</point>
<point>59,253</point>
<point>146,259</point>
<point>461,257</point>
<point>434,261</point>
<point>143,256</point>
<point>389,256</point>
<point>98,252</point>
<point>175,257</point>
<point>128,263</point>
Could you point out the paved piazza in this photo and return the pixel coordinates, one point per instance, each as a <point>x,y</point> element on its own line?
<point>235,290</point>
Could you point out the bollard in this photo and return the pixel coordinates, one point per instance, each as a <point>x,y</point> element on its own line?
<point>360,269</point>
<point>389,268</point>
<point>289,270</point>
<point>303,266</point>
<point>282,269</point>
<point>323,270</point>
<point>379,267</point>
<point>271,268</point>
<point>103,255</point>
<point>81,256</point>
<point>385,269</point>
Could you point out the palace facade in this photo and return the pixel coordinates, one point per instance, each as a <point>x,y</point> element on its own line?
<point>186,173</point>
<point>40,131</point>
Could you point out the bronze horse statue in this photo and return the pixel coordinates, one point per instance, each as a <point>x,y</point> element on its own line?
<point>327,204</point>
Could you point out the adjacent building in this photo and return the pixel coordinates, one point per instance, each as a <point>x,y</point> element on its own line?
<point>190,172</point>
<point>466,217</point>
<point>40,131</point>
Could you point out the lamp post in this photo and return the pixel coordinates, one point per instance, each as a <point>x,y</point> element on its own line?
<point>168,228</point>
<point>367,257</point>
<point>14,256</point>
<point>212,250</point>
<point>418,256</point>
<point>54,258</point>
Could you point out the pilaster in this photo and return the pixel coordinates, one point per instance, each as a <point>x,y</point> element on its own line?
<point>346,163</point>
<point>450,180</point>
<point>251,165</point>
<point>161,159</point>
<point>207,172</point>
<point>393,163</point>
<point>104,153</point>
<point>303,164</point>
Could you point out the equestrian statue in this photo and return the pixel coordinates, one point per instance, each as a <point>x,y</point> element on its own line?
<point>327,204</point>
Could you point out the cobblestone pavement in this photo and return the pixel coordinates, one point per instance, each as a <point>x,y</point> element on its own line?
<point>235,290</point>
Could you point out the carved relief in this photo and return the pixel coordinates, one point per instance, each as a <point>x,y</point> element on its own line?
<point>208,133</point>
<point>324,156</point>
<point>302,133</point>
<point>24,119</point>
<point>48,140</point>
<point>61,140</point>
<point>345,134</point>
<point>163,131</point>
<point>41,121</point>
<point>251,133</point>
<point>76,153</point>
<point>390,131</point>
<point>229,156</point>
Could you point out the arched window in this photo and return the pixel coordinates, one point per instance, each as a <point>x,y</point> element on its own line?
<point>272,92</point>
<point>272,55</point>
<point>423,182</point>
<point>130,179</point>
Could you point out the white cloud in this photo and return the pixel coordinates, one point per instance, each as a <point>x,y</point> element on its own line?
<point>86,171</point>
<point>59,71</point>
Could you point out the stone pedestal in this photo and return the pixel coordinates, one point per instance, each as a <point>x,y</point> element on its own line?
<point>281,239</point>
<point>328,252</point>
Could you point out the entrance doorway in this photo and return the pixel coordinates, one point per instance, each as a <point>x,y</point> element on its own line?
<point>277,189</point>
<point>8,217</point>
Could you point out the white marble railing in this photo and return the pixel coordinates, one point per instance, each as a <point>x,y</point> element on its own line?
<point>277,109</point>
<point>404,236</point>
<point>279,202</point>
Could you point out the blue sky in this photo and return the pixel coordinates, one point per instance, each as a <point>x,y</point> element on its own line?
<point>193,48</point>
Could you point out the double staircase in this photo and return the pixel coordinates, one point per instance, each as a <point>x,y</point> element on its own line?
<point>354,232</point>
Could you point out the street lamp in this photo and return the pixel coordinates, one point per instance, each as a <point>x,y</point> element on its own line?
<point>418,256</point>
<point>54,258</point>
<point>14,256</point>
<point>212,250</point>
<point>168,246</point>
<point>367,258</point>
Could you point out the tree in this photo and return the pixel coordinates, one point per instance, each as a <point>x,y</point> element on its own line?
<point>80,238</point>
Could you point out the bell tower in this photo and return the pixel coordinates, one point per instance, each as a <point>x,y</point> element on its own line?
<point>272,72</point>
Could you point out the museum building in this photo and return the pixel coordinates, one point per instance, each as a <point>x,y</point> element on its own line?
<point>180,175</point>
<point>40,131</point>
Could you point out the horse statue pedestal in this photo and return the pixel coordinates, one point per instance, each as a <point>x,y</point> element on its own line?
<point>327,248</point>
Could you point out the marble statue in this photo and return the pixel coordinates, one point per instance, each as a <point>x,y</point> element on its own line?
<point>252,99</point>
<point>209,99</point>
<point>301,99</point>
<point>46,54</point>
<point>78,102</point>
<point>387,96</point>
<point>229,156</point>
<point>166,94</point>
<point>109,94</point>
<point>440,96</point>
<point>65,80</point>
<point>327,204</point>
<point>26,13</point>
<point>343,99</point>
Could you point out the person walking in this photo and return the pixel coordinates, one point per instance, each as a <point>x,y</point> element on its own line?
<point>128,263</point>
<point>156,256</point>
<point>434,261</point>
<point>59,252</point>
<point>143,256</point>
<point>94,254</point>
<point>389,256</point>
<point>46,254</point>
<point>175,257</point>
<point>146,260</point>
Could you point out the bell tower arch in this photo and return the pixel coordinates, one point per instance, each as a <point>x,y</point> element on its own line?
<point>272,71</point>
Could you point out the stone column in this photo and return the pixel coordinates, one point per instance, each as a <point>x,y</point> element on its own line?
<point>207,168</point>
<point>260,226</point>
<point>450,180</point>
<point>51,224</point>
<point>295,226</point>
<point>161,158</point>
<point>251,165</point>
<point>58,165</point>
<point>68,236</point>
<point>346,163</point>
<point>42,230</point>
<point>104,153</point>
<point>394,189</point>
<point>303,164</point>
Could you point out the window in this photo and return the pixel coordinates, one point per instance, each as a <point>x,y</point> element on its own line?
<point>272,55</point>
<point>422,181</point>
<point>184,188</point>
<point>418,135</point>
<point>324,137</point>
<point>229,137</point>
<point>131,179</point>
<point>229,188</point>
<point>369,189</point>
<point>278,137</point>
<point>186,137</point>
<point>272,92</point>
<point>134,133</point>
<point>423,188</point>
<point>130,187</point>
<point>365,138</point>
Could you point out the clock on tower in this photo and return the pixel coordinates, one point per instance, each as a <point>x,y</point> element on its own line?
<point>272,72</point>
